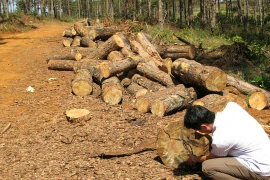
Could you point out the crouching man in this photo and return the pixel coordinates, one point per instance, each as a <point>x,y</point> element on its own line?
<point>240,146</point>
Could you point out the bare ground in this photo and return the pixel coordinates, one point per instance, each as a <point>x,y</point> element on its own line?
<point>36,140</point>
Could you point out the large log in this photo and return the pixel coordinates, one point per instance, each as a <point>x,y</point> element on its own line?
<point>176,51</point>
<point>259,98</point>
<point>147,83</point>
<point>151,71</point>
<point>61,65</point>
<point>173,102</point>
<point>193,73</point>
<point>111,68</point>
<point>81,29</point>
<point>114,43</point>
<point>112,91</point>
<point>101,33</point>
<point>143,103</point>
<point>87,42</point>
<point>175,143</point>
<point>82,83</point>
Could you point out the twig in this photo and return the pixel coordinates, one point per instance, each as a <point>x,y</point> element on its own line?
<point>6,128</point>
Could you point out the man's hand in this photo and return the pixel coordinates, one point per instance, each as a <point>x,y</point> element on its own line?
<point>192,159</point>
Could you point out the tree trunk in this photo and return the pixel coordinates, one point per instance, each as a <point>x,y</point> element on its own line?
<point>82,83</point>
<point>101,33</point>
<point>176,51</point>
<point>192,72</point>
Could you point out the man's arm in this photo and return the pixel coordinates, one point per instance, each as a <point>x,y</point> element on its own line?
<point>194,159</point>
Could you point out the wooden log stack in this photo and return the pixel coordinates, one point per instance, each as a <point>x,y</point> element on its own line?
<point>162,79</point>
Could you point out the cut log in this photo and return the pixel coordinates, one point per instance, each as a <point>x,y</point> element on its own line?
<point>151,71</point>
<point>137,47</point>
<point>92,66</point>
<point>176,51</point>
<point>115,56</point>
<point>175,142</point>
<point>87,42</point>
<point>127,52</point>
<point>70,32</point>
<point>96,90</point>
<point>82,83</point>
<point>76,41</point>
<point>217,103</point>
<point>125,82</point>
<point>173,102</point>
<point>148,46</point>
<point>78,115</point>
<point>112,91</point>
<point>111,68</point>
<point>144,103</point>
<point>191,72</point>
<point>114,43</point>
<point>81,29</point>
<point>258,100</point>
<point>101,33</point>
<point>61,65</point>
<point>135,88</point>
<point>147,83</point>
<point>67,42</point>
<point>71,56</point>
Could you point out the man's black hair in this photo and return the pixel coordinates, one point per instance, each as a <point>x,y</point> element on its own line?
<point>197,115</point>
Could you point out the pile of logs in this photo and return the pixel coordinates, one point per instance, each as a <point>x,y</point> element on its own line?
<point>162,78</point>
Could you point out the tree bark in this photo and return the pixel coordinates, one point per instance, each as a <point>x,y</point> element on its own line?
<point>112,91</point>
<point>147,83</point>
<point>82,83</point>
<point>192,72</point>
<point>87,42</point>
<point>136,90</point>
<point>71,56</point>
<point>101,33</point>
<point>61,65</point>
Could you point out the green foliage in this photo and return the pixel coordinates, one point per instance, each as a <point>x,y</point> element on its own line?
<point>262,81</point>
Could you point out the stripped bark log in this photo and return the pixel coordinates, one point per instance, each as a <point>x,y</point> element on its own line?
<point>257,100</point>
<point>176,51</point>
<point>194,73</point>
<point>82,83</point>
<point>173,102</point>
<point>114,43</point>
<point>112,91</point>
<point>111,68</point>
<point>151,71</point>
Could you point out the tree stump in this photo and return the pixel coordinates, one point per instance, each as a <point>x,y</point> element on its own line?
<point>170,144</point>
<point>112,91</point>
<point>78,115</point>
<point>82,83</point>
<point>194,73</point>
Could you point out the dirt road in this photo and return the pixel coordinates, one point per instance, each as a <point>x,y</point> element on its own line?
<point>37,142</point>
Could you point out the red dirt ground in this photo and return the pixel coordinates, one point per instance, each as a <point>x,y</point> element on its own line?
<point>36,140</point>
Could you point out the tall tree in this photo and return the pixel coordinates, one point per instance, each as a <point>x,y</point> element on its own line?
<point>160,13</point>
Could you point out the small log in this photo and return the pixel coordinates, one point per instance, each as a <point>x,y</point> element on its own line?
<point>134,88</point>
<point>72,56</point>
<point>61,65</point>
<point>81,29</point>
<point>125,82</point>
<point>78,115</point>
<point>112,91</point>
<point>111,68</point>
<point>92,66</point>
<point>67,42</point>
<point>173,102</point>
<point>176,51</point>
<point>96,90</point>
<point>258,100</point>
<point>127,52</point>
<point>151,71</point>
<point>82,83</point>
<point>147,83</point>
<point>87,42</point>
<point>115,56</point>
<point>144,103</point>
<point>101,33</point>
<point>70,32</point>
<point>114,43</point>
<point>191,72</point>
<point>76,41</point>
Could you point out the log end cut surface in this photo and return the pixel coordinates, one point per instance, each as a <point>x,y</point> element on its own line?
<point>78,115</point>
<point>158,108</point>
<point>142,104</point>
<point>82,88</point>
<point>258,101</point>
<point>217,81</point>
<point>112,97</point>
